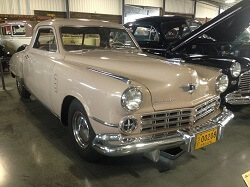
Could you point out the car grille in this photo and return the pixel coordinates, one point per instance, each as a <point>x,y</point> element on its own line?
<point>244,83</point>
<point>182,118</point>
<point>205,109</point>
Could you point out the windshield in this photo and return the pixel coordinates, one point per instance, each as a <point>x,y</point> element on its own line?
<point>79,38</point>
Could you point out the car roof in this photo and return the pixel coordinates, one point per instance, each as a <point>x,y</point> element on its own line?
<point>160,19</point>
<point>80,22</point>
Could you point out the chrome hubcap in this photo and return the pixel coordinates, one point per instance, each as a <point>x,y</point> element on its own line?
<point>80,129</point>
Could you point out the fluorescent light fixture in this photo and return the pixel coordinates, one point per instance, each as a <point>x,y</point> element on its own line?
<point>229,1</point>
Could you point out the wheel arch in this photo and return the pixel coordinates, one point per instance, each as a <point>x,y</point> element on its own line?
<point>65,107</point>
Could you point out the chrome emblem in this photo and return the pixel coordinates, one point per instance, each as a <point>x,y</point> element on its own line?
<point>190,88</point>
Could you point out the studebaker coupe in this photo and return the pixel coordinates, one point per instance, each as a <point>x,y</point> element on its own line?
<point>16,35</point>
<point>209,45</point>
<point>115,99</point>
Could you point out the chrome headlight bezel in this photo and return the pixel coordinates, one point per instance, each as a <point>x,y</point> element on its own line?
<point>222,83</point>
<point>126,99</point>
<point>235,69</point>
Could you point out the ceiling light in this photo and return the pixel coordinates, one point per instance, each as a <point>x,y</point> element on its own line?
<point>229,1</point>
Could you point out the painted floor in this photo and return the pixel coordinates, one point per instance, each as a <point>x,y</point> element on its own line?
<point>34,151</point>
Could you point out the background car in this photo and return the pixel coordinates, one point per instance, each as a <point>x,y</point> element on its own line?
<point>209,44</point>
<point>16,35</point>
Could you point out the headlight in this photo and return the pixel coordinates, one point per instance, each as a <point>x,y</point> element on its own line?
<point>222,83</point>
<point>235,69</point>
<point>131,99</point>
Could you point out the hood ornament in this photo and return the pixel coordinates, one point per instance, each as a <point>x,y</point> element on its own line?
<point>190,88</point>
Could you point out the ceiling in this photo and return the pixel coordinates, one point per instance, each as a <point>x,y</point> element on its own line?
<point>222,2</point>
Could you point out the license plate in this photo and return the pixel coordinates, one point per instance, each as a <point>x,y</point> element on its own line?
<point>206,138</point>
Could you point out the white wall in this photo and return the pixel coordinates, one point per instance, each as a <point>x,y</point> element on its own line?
<point>27,7</point>
<point>153,3</point>
<point>205,10</point>
<point>113,7</point>
<point>180,6</point>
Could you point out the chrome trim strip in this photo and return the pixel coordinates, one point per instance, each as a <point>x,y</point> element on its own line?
<point>236,98</point>
<point>105,123</point>
<point>118,77</point>
<point>119,145</point>
<point>155,49</point>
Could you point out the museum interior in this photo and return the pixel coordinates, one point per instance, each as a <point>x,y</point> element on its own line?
<point>125,93</point>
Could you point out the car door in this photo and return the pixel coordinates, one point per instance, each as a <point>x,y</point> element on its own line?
<point>39,62</point>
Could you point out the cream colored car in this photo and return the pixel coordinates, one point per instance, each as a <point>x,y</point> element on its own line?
<point>115,99</point>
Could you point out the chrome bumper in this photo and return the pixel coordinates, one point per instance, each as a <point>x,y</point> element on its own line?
<point>118,145</point>
<point>236,98</point>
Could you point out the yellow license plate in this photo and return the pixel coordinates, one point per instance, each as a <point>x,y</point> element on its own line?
<point>206,138</point>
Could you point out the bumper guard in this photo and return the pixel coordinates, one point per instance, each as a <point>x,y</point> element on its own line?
<point>237,98</point>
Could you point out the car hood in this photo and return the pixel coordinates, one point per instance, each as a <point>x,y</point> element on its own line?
<point>167,81</point>
<point>226,27</point>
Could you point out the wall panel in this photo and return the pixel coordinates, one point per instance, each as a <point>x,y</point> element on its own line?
<point>204,10</point>
<point>180,6</point>
<point>152,3</point>
<point>113,7</point>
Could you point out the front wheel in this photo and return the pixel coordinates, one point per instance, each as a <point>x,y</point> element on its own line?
<point>23,92</point>
<point>81,132</point>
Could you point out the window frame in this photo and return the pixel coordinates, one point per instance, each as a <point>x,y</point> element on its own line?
<point>36,35</point>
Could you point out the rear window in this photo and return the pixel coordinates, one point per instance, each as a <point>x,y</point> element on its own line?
<point>6,30</point>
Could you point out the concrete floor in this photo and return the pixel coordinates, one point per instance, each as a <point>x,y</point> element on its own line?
<point>34,152</point>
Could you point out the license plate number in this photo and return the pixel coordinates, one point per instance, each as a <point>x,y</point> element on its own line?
<point>206,138</point>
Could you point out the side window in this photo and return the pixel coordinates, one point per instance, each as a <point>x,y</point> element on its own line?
<point>175,30</point>
<point>18,30</point>
<point>6,30</point>
<point>146,34</point>
<point>45,40</point>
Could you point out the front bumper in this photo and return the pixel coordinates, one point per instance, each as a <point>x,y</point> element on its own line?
<point>118,145</point>
<point>238,98</point>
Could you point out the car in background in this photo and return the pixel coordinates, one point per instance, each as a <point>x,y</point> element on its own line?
<point>16,35</point>
<point>241,46</point>
<point>115,99</point>
<point>209,44</point>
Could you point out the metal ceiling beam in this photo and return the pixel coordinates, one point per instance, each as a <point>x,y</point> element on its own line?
<point>67,8</point>
<point>123,11</point>
<point>163,7</point>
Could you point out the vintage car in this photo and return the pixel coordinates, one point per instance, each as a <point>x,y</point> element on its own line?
<point>115,99</point>
<point>16,35</point>
<point>209,45</point>
<point>241,46</point>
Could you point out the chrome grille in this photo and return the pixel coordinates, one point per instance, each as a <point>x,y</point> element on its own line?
<point>166,120</point>
<point>206,108</point>
<point>244,83</point>
<point>178,118</point>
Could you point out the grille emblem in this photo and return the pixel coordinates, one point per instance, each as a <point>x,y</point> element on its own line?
<point>190,88</point>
